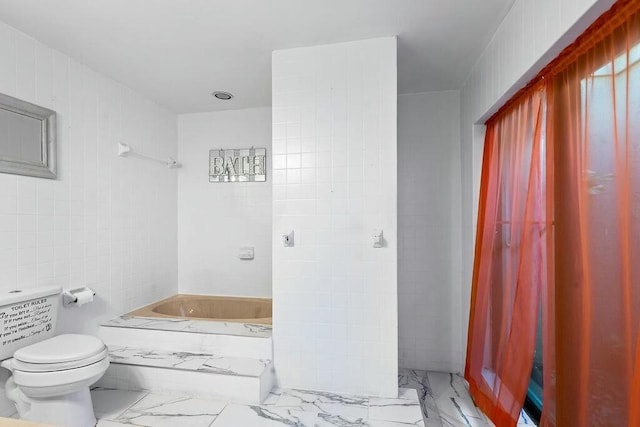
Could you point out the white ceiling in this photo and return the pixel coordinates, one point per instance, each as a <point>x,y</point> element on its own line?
<point>177,51</point>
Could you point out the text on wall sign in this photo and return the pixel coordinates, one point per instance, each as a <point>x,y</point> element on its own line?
<point>20,321</point>
<point>238,165</point>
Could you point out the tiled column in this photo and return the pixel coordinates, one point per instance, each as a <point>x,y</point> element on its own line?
<point>334,183</point>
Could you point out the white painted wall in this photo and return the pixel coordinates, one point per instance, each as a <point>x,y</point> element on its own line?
<point>107,222</point>
<point>429,277</point>
<point>215,219</point>
<point>335,180</point>
<point>531,35</point>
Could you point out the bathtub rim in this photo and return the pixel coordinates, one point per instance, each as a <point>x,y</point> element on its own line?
<point>147,310</point>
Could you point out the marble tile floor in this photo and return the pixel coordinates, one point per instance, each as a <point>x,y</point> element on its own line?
<point>117,408</point>
<point>446,401</point>
<point>426,399</point>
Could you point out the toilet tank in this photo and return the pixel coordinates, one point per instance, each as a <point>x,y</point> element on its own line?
<point>26,317</point>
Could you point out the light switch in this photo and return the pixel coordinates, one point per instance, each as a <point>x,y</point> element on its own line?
<point>246,252</point>
<point>377,239</point>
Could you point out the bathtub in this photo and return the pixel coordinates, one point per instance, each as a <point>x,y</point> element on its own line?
<point>202,307</point>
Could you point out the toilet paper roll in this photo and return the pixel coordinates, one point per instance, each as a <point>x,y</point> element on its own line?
<point>84,296</point>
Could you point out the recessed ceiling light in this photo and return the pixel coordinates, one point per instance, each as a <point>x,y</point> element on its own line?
<point>225,96</point>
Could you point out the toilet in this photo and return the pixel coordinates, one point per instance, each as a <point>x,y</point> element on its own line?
<point>51,375</point>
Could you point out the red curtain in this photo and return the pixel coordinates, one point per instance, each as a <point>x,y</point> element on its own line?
<point>634,402</point>
<point>559,224</point>
<point>594,106</point>
<point>510,264</point>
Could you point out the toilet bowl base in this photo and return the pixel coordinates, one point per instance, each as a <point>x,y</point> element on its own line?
<point>69,410</point>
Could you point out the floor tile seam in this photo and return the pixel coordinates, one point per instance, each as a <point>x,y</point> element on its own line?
<point>142,396</point>
<point>225,403</point>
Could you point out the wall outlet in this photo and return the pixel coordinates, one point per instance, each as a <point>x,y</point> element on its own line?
<point>246,252</point>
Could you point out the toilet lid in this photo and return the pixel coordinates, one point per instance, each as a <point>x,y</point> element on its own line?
<point>61,349</point>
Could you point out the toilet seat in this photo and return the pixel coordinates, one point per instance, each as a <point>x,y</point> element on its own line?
<point>19,365</point>
<point>68,351</point>
<point>56,383</point>
<point>61,352</point>
<point>59,363</point>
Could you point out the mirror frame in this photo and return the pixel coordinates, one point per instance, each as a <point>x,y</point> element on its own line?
<point>47,167</point>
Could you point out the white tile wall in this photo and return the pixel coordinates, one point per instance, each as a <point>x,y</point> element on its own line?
<point>215,219</point>
<point>429,278</point>
<point>106,222</point>
<point>334,181</point>
<point>531,35</point>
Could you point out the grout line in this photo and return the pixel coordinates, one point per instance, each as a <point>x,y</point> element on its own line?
<point>143,395</point>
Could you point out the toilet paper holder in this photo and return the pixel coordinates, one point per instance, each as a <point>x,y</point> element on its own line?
<point>70,296</point>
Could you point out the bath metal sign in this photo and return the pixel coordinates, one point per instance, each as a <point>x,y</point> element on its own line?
<point>238,165</point>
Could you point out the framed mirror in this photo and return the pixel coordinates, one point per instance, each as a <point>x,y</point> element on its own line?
<point>27,138</point>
